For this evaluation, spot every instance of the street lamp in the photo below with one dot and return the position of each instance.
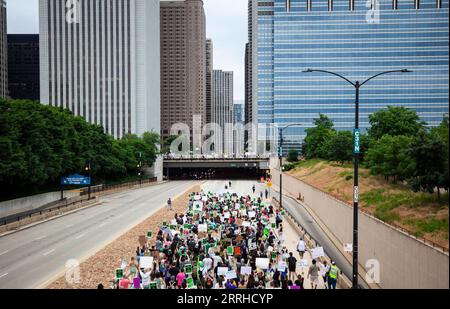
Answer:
(280, 157)
(357, 85)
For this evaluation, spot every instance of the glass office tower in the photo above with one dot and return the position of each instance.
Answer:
(346, 37)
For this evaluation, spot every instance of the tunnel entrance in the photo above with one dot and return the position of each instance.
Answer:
(214, 173)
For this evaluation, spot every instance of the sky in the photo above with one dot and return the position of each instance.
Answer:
(226, 25)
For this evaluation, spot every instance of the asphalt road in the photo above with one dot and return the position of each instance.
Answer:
(315, 231)
(31, 257)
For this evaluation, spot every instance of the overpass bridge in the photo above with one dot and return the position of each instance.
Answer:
(211, 168)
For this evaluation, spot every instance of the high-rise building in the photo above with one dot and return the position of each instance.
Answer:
(347, 38)
(3, 51)
(209, 69)
(250, 76)
(101, 60)
(239, 111)
(183, 64)
(23, 66)
(222, 110)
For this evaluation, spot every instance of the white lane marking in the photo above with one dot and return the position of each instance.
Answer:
(79, 236)
(103, 224)
(4, 252)
(69, 225)
(3, 275)
(40, 238)
(50, 252)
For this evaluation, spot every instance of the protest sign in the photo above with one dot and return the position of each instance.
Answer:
(149, 234)
(226, 215)
(251, 214)
(197, 197)
(274, 255)
(153, 285)
(230, 250)
(317, 252)
(221, 271)
(282, 266)
(119, 273)
(246, 224)
(262, 263)
(237, 251)
(230, 275)
(190, 283)
(246, 270)
(198, 207)
(204, 198)
(203, 228)
(348, 247)
(146, 262)
(188, 269)
(303, 263)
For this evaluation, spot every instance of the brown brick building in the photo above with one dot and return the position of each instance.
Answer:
(183, 63)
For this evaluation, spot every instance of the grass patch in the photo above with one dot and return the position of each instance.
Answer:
(427, 226)
(387, 216)
(308, 163)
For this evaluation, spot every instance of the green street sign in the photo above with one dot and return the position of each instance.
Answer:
(357, 139)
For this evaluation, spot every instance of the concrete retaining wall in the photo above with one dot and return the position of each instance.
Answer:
(19, 205)
(405, 262)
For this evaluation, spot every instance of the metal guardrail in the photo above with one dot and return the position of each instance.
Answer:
(57, 205)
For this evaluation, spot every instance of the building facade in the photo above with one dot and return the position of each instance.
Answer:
(101, 60)
(183, 65)
(3, 51)
(357, 41)
(23, 66)
(222, 110)
(209, 69)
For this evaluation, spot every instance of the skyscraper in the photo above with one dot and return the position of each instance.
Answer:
(3, 51)
(183, 64)
(101, 60)
(222, 110)
(346, 38)
(23, 66)
(209, 69)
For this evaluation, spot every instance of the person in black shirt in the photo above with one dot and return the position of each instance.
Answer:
(292, 265)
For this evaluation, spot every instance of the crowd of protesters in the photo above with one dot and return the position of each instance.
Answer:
(222, 241)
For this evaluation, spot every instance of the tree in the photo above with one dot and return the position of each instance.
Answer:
(339, 147)
(389, 156)
(394, 121)
(292, 155)
(316, 137)
(167, 142)
(430, 153)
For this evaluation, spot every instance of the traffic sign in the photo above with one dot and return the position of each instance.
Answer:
(357, 135)
(75, 180)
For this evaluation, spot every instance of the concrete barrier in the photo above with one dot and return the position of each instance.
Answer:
(28, 203)
(404, 261)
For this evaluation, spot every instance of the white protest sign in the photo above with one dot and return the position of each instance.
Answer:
(146, 262)
(226, 215)
(197, 197)
(237, 206)
(317, 252)
(282, 266)
(222, 271)
(204, 198)
(230, 275)
(234, 213)
(251, 214)
(303, 263)
(173, 222)
(243, 212)
(246, 270)
(203, 228)
(348, 247)
(246, 224)
(198, 206)
(262, 263)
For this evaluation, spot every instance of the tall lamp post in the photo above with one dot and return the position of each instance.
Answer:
(280, 157)
(357, 85)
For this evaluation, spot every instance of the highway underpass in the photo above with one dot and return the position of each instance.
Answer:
(220, 169)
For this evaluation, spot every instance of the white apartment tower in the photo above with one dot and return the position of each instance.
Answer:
(101, 60)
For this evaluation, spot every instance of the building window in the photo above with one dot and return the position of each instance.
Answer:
(288, 6)
(352, 5)
(394, 4)
(330, 5)
(308, 5)
(439, 4)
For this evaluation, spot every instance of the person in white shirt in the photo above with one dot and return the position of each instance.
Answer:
(324, 269)
(301, 248)
(208, 263)
(146, 279)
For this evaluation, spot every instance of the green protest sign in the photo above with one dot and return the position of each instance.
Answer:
(204, 241)
(190, 283)
(188, 269)
(164, 224)
(230, 250)
(172, 227)
(266, 232)
(149, 234)
(274, 225)
(274, 255)
(187, 226)
(119, 273)
(153, 286)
